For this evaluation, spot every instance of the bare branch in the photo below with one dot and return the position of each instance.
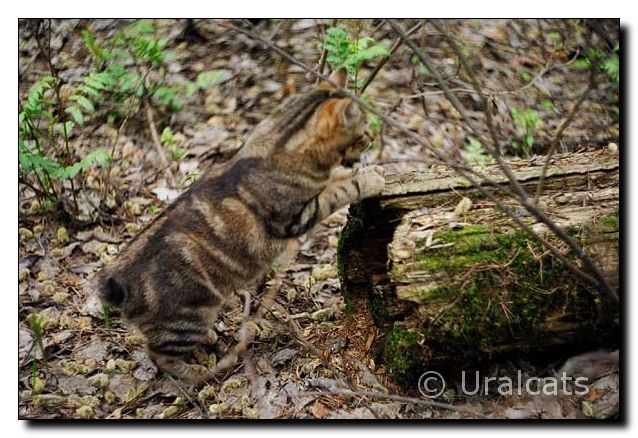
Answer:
(158, 144)
(393, 49)
(559, 133)
(394, 397)
(324, 52)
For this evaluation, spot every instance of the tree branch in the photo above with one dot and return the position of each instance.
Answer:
(559, 134)
(393, 49)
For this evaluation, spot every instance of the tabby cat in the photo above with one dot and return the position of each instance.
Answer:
(223, 234)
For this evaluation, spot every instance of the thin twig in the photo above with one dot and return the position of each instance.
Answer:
(394, 48)
(119, 132)
(475, 84)
(393, 397)
(559, 133)
(158, 144)
(441, 158)
(56, 86)
(195, 401)
(296, 329)
(324, 52)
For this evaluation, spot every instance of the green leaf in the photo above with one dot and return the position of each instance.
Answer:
(206, 79)
(529, 140)
(89, 91)
(94, 48)
(32, 160)
(76, 114)
(525, 76)
(94, 83)
(83, 102)
(68, 126)
(139, 27)
(612, 67)
(547, 105)
(374, 122)
(97, 157)
(475, 152)
(582, 63)
(93, 159)
(191, 88)
(166, 138)
(68, 172)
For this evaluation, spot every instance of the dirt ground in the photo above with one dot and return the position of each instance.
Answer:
(86, 367)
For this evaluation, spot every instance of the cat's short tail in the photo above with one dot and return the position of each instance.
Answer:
(111, 291)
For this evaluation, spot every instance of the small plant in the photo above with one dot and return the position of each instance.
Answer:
(475, 153)
(127, 71)
(527, 121)
(123, 68)
(107, 318)
(350, 53)
(43, 139)
(609, 63)
(168, 141)
(612, 66)
(35, 322)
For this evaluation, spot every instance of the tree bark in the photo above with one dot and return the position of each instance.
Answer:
(450, 279)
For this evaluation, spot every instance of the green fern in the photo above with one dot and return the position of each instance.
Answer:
(113, 87)
(345, 52)
(93, 159)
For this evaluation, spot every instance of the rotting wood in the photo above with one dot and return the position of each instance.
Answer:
(448, 278)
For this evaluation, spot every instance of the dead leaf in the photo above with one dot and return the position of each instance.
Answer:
(165, 194)
(146, 369)
(318, 410)
(96, 349)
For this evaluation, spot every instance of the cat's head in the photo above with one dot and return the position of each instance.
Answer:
(341, 121)
(322, 123)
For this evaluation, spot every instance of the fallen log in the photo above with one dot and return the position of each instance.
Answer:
(449, 279)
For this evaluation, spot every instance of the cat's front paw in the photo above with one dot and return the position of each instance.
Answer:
(371, 181)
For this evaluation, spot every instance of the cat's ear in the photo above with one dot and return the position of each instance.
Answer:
(351, 114)
(338, 113)
(340, 76)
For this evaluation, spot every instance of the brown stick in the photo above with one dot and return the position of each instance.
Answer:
(394, 397)
(559, 134)
(158, 144)
(393, 49)
(56, 87)
(324, 52)
(117, 136)
(297, 332)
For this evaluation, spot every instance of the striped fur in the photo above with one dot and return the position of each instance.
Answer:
(224, 233)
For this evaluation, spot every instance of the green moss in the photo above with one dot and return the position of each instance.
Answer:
(377, 308)
(495, 289)
(403, 355)
(610, 223)
(474, 245)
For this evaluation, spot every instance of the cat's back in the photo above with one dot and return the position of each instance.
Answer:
(209, 232)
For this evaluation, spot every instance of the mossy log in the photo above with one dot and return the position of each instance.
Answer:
(449, 279)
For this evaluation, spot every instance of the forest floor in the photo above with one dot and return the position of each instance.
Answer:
(82, 366)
